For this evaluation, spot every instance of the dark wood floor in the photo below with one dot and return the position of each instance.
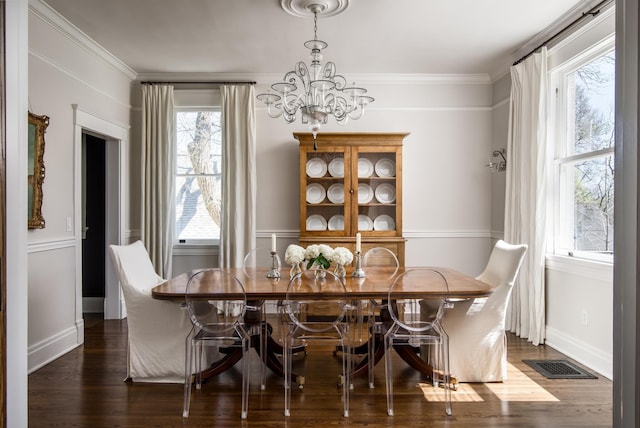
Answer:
(85, 388)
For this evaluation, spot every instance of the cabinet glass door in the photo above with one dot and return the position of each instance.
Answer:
(377, 193)
(325, 192)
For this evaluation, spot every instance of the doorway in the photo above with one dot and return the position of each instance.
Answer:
(94, 227)
(110, 142)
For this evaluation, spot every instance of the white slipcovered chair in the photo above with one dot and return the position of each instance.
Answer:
(476, 327)
(157, 329)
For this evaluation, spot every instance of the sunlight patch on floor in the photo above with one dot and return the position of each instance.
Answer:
(464, 394)
(517, 387)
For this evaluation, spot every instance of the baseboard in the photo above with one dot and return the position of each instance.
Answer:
(585, 354)
(46, 351)
(93, 305)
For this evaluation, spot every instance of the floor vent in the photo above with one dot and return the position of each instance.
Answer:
(559, 369)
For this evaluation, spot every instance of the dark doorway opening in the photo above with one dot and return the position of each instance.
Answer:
(93, 224)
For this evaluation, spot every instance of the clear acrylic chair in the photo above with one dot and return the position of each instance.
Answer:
(216, 322)
(410, 328)
(259, 257)
(317, 309)
(373, 258)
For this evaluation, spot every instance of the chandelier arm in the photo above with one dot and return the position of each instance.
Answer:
(301, 73)
(356, 113)
(329, 102)
(346, 106)
(340, 109)
(273, 114)
(341, 82)
(291, 107)
(289, 117)
(329, 71)
(290, 100)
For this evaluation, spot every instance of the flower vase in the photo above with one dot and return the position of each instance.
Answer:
(321, 272)
(340, 271)
(295, 270)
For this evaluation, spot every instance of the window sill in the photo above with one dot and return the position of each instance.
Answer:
(582, 267)
(196, 250)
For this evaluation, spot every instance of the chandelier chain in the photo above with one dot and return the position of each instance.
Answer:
(315, 25)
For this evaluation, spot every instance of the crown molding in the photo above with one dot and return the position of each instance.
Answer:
(381, 79)
(48, 15)
(42, 57)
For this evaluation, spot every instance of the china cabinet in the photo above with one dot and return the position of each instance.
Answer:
(352, 184)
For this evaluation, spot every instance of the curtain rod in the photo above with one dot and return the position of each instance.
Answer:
(198, 82)
(591, 12)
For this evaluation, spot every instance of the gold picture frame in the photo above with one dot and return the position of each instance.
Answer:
(37, 127)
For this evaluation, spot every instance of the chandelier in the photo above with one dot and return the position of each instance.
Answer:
(316, 91)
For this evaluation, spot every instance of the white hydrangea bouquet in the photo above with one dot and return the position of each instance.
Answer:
(294, 256)
(319, 255)
(341, 257)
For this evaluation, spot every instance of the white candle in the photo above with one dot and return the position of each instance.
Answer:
(273, 242)
(358, 242)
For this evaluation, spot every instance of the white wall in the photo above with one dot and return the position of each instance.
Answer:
(500, 129)
(580, 311)
(63, 71)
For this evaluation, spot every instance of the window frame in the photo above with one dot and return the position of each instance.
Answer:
(186, 244)
(561, 140)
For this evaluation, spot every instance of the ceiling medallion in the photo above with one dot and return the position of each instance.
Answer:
(304, 8)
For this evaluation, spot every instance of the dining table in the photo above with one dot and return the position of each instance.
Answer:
(374, 285)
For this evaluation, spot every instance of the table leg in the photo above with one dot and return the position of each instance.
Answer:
(272, 350)
(410, 355)
(225, 363)
(363, 366)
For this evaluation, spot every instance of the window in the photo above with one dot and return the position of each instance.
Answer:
(584, 157)
(198, 176)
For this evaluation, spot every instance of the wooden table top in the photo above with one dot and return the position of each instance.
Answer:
(375, 285)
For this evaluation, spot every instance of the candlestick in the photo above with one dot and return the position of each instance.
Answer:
(273, 242)
(358, 272)
(358, 242)
(274, 272)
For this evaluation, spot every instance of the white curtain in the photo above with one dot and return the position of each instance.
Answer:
(157, 175)
(526, 193)
(238, 229)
